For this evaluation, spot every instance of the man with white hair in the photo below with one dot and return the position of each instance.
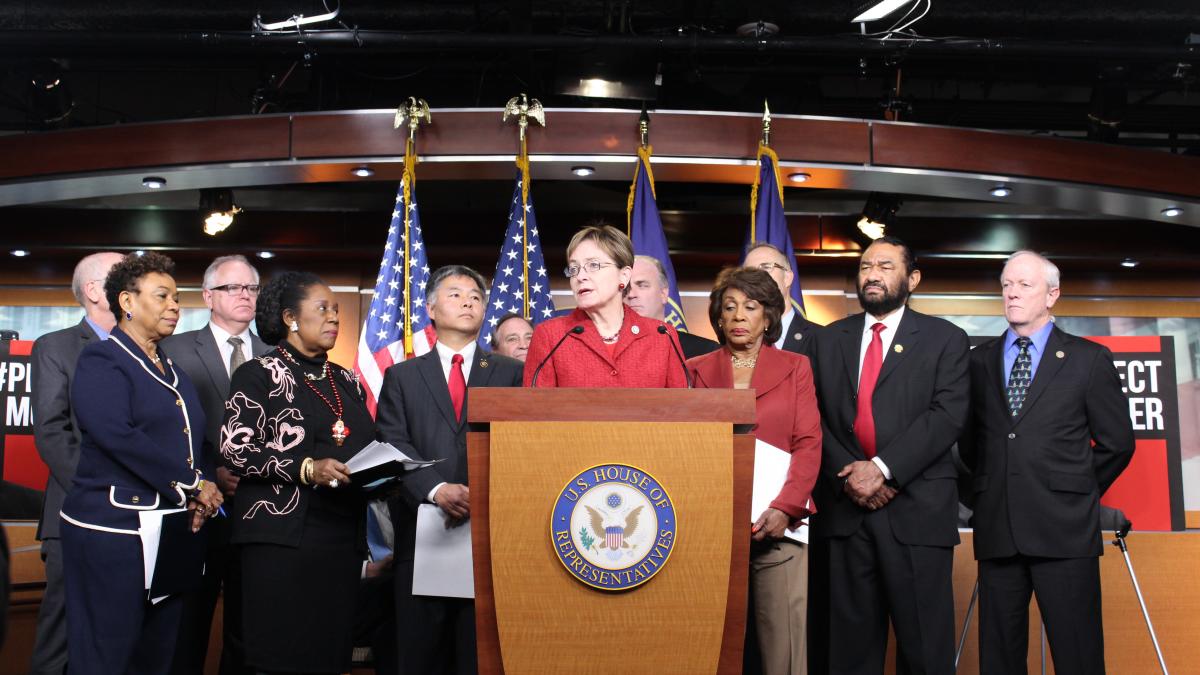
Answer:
(797, 330)
(56, 435)
(649, 291)
(1050, 432)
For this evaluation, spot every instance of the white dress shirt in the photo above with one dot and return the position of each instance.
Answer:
(222, 337)
(785, 322)
(446, 356)
(890, 323)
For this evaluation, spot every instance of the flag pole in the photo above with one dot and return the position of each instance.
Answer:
(764, 147)
(523, 109)
(645, 150)
(417, 111)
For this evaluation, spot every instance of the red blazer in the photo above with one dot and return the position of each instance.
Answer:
(786, 412)
(642, 358)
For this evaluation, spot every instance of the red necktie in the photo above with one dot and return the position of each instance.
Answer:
(864, 422)
(458, 385)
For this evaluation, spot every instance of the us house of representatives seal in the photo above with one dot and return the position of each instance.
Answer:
(613, 526)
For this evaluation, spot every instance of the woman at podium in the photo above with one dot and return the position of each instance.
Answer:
(602, 343)
(292, 420)
(745, 308)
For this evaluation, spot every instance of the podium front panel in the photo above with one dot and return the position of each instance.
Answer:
(549, 621)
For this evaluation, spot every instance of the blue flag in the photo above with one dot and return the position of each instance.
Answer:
(646, 232)
(767, 220)
(520, 285)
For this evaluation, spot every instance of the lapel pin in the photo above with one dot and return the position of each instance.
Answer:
(1060, 353)
(483, 363)
(635, 330)
(798, 336)
(899, 349)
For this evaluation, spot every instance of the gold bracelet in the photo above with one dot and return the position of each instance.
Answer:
(306, 470)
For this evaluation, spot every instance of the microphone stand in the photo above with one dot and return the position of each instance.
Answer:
(1119, 542)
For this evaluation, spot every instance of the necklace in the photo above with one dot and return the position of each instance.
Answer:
(339, 430)
(743, 363)
(609, 339)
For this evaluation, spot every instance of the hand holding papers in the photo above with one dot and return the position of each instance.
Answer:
(442, 556)
(379, 462)
(770, 471)
(172, 553)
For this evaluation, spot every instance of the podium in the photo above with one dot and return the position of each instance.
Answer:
(550, 468)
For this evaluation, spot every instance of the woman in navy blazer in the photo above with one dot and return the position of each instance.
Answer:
(745, 310)
(603, 343)
(138, 451)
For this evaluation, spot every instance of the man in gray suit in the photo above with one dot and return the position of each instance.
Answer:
(56, 435)
(209, 356)
(419, 415)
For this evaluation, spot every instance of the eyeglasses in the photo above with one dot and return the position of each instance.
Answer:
(236, 289)
(768, 267)
(592, 266)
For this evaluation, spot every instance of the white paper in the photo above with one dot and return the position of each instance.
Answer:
(376, 453)
(770, 471)
(150, 532)
(442, 559)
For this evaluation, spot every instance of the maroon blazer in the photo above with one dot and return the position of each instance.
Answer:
(786, 412)
(643, 357)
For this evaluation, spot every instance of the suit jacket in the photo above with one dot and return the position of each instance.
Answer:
(415, 415)
(785, 416)
(920, 408)
(642, 357)
(138, 449)
(694, 345)
(197, 354)
(55, 429)
(1038, 477)
(799, 337)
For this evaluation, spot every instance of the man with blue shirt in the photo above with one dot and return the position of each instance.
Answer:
(1050, 432)
(56, 436)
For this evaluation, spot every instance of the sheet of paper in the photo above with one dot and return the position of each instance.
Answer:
(442, 559)
(770, 471)
(376, 453)
(150, 531)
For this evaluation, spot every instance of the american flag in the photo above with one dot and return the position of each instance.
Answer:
(398, 300)
(521, 271)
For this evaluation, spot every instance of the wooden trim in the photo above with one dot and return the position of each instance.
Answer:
(487, 637)
(733, 642)
(497, 404)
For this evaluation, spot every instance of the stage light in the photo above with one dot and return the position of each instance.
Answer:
(363, 171)
(877, 9)
(154, 182)
(583, 171)
(1001, 191)
(878, 214)
(1171, 211)
(799, 177)
(218, 209)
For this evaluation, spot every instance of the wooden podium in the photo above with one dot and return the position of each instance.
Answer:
(532, 615)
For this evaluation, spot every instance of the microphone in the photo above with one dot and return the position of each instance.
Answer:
(577, 330)
(662, 330)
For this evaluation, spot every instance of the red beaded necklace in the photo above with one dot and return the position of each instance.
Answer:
(339, 430)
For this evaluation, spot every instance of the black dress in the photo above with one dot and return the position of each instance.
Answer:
(302, 548)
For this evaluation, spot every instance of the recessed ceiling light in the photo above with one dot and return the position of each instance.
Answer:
(1171, 211)
(19, 252)
(799, 177)
(265, 255)
(1001, 191)
(139, 253)
(154, 182)
(583, 171)
(1129, 262)
(363, 171)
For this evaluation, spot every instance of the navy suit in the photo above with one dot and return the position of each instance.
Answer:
(136, 454)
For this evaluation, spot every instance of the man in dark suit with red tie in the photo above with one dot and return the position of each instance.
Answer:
(1050, 433)
(423, 412)
(893, 392)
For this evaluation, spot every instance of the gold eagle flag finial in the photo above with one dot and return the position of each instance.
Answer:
(524, 108)
(766, 123)
(644, 127)
(416, 111)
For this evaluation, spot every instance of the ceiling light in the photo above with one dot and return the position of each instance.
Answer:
(363, 171)
(154, 182)
(218, 209)
(877, 9)
(799, 177)
(583, 171)
(1001, 191)
(265, 255)
(1171, 211)
(1129, 262)
(139, 253)
(878, 214)
(19, 252)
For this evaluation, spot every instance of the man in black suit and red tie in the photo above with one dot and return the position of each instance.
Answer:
(893, 392)
(423, 412)
(1050, 433)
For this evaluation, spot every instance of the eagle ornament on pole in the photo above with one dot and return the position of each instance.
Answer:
(524, 109)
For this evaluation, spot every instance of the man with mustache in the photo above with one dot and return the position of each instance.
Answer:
(893, 390)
